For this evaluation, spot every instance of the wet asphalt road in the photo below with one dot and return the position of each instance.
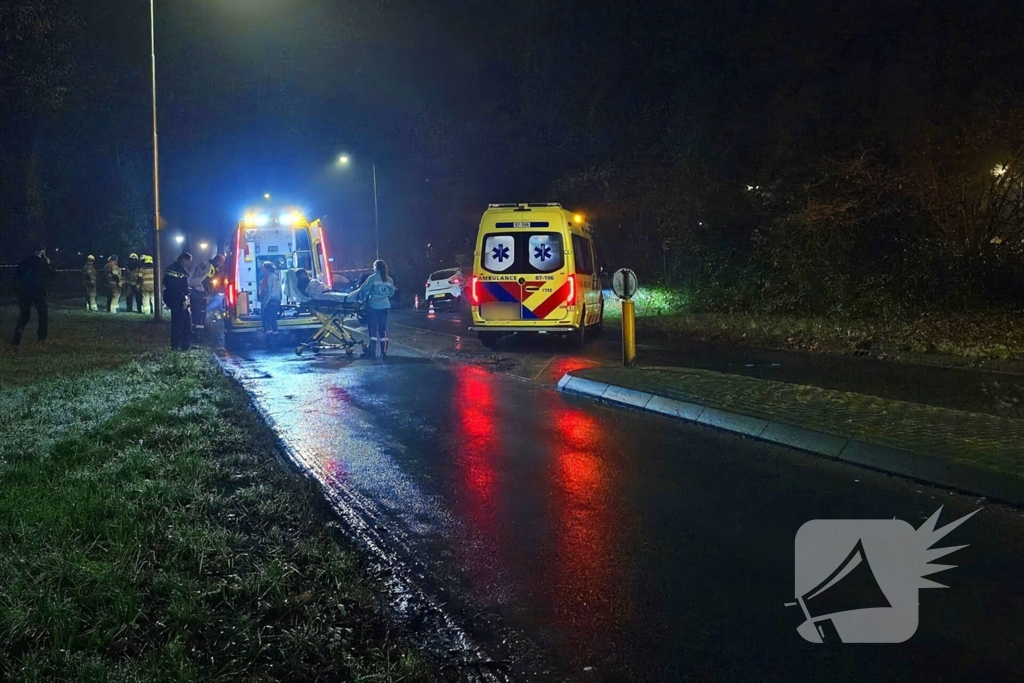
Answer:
(575, 540)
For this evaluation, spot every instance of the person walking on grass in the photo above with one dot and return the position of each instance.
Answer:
(31, 277)
(113, 275)
(176, 295)
(377, 292)
(270, 300)
(89, 281)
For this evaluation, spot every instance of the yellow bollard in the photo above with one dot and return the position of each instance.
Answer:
(628, 332)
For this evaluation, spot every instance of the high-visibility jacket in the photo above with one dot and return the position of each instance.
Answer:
(113, 274)
(147, 278)
(89, 277)
(200, 277)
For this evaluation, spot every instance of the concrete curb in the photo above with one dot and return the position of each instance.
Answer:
(958, 476)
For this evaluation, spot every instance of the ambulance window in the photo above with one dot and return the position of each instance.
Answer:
(499, 253)
(303, 251)
(320, 255)
(546, 252)
(583, 256)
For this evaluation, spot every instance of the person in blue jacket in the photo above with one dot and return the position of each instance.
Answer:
(377, 292)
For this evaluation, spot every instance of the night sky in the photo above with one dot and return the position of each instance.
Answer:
(460, 102)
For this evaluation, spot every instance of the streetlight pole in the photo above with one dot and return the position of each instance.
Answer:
(376, 219)
(158, 267)
(343, 161)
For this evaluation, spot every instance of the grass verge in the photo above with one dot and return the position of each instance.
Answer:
(992, 335)
(147, 532)
(985, 440)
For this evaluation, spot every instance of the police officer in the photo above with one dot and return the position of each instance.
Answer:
(89, 281)
(147, 284)
(128, 285)
(31, 277)
(176, 298)
(201, 282)
(113, 275)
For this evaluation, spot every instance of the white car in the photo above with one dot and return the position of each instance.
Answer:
(445, 287)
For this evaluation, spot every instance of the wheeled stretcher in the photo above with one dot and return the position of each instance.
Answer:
(332, 335)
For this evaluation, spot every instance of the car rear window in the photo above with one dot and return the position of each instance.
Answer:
(536, 252)
(443, 274)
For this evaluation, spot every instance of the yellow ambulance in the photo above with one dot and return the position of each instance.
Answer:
(535, 270)
(289, 241)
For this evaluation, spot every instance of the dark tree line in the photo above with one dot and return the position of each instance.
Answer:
(75, 168)
(778, 156)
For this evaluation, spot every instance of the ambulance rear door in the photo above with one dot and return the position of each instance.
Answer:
(524, 272)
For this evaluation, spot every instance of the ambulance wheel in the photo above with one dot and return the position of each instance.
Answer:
(488, 339)
(597, 328)
(579, 335)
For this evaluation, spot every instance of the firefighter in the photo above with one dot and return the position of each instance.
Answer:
(201, 283)
(136, 275)
(31, 277)
(89, 281)
(176, 297)
(113, 276)
(147, 284)
(129, 288)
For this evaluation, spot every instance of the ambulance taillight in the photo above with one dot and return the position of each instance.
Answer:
(474, 295)
(328, 278)
(571, 299)
(237, 256)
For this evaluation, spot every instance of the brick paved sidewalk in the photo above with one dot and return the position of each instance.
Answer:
(995, 443)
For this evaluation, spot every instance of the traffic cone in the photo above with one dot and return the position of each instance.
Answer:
(430, 311)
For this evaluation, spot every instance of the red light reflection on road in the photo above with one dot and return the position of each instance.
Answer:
(588, 590)
(339, 394)
(335, 469)
(561, 365)
(475, 421)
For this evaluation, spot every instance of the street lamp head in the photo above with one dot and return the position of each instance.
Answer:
(266, 195)
(999, 170)
(204, 245)
(343, 159)
(179, 239)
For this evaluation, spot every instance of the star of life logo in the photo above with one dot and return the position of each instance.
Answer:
(857, 580)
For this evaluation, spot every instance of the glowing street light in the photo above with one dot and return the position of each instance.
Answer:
(179, 238)
(999, 170)
(204, 246)
(343, 161)
(266, 195)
